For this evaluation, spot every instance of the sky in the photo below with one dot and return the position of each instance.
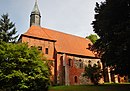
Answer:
(69, 16)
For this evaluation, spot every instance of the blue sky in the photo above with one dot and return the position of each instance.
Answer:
(69, 16)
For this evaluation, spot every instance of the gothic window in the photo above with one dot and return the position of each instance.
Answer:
(46, 51)
(80, 64)
(70, 62)
(89, 63)
(75, 79)
(98, 63)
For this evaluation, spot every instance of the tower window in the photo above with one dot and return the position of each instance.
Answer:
(46, 51)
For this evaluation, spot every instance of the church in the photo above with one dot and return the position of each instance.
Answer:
(68, 54)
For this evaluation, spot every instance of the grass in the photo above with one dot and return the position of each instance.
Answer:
(105, 87)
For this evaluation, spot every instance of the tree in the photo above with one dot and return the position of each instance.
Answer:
(21, 68)
(94, 73)
(92, 37)
(7, 29)
(112, 25)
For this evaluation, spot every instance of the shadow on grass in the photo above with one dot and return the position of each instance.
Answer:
(104, 87)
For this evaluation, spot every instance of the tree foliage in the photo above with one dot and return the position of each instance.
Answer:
(94, 73)
(21, 68)
(92, 37)
(7, 29)
(112, 25)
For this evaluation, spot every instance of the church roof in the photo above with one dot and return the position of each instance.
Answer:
(65, 43)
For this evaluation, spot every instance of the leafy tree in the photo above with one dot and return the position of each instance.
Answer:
(112, 25)
(94, 73)
(21, 68)
(7, 29)
(92, 37)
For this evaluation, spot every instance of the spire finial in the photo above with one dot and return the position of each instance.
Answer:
(35, 8)
(35, 1)
(35, 16)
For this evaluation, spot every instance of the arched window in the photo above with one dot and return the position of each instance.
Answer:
(75, 79)
(89, 63)
(98, 63)
(46, 50)
(80, 64)
(70, 62)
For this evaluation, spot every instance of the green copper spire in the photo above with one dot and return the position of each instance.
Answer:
(35, 17)
(35, 9)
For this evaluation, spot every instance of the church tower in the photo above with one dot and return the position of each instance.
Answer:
(35, 17)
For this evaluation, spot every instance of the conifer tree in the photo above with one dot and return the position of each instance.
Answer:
(7, 29)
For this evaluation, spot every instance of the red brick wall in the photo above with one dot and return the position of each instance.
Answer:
(44, 44)
(58, 68)
(72, 70)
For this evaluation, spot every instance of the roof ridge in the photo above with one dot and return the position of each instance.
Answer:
(65, 42)
(64, 33)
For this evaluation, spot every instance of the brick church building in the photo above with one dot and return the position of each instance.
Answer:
(68, 53)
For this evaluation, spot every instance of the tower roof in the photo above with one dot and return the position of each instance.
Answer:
(35, 9)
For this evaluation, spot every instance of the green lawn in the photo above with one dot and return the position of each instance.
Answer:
(105, 87)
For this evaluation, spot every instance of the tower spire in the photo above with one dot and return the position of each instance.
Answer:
(35, 15)
(35, 8)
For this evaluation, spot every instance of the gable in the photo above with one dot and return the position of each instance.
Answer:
(65, 43)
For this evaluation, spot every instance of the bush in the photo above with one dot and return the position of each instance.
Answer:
(94, 73)
(21, 68)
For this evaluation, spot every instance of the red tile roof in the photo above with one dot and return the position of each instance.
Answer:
(37, 32)
(65, 43)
